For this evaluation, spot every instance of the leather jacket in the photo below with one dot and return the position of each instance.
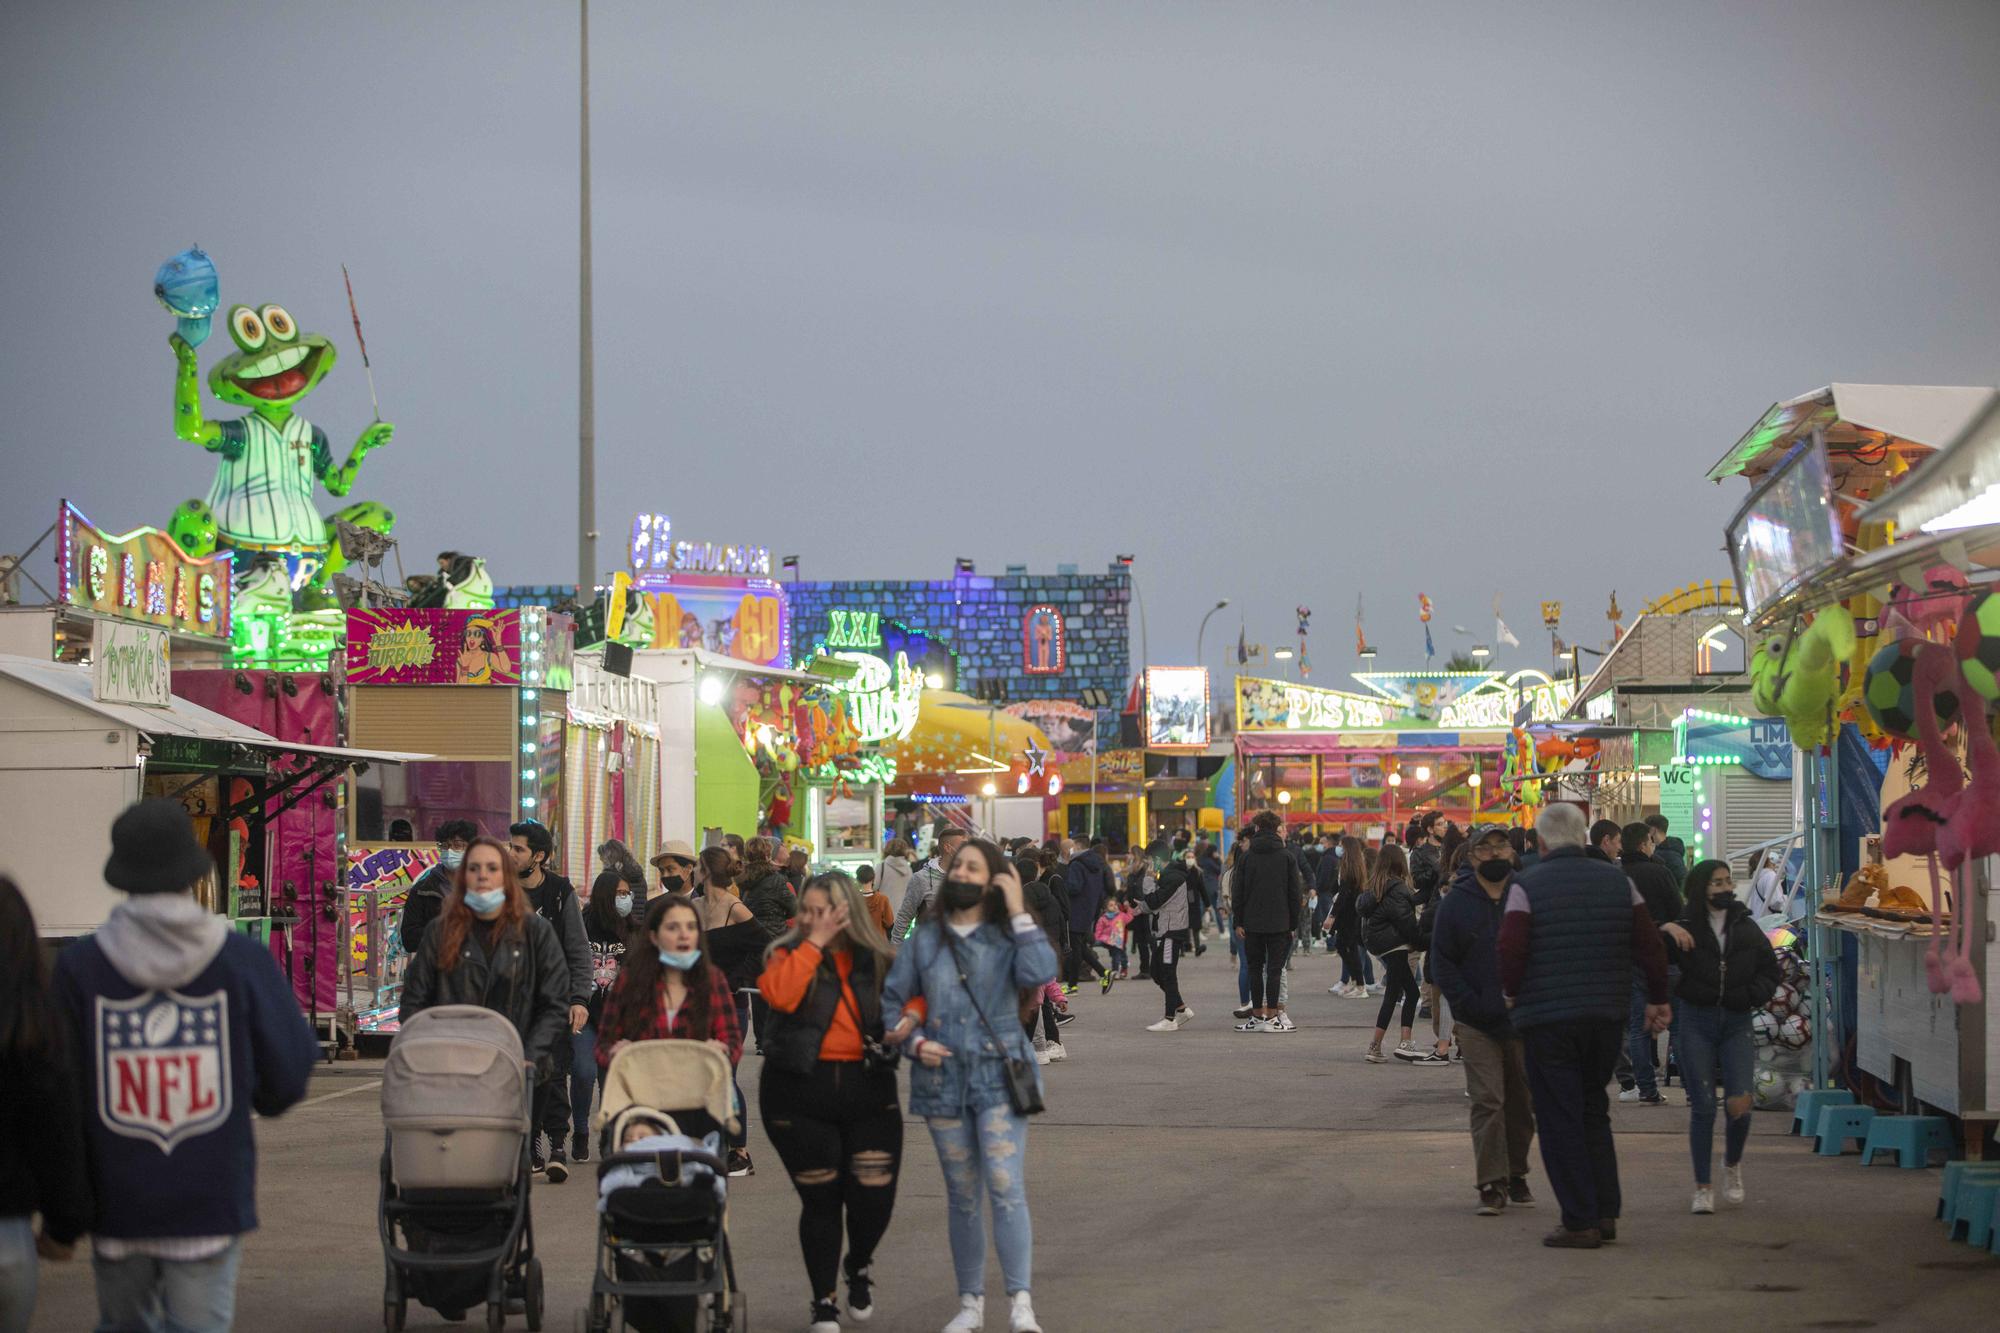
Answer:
(526, 979)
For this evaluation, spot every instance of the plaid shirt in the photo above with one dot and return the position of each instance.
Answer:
(628, 1016)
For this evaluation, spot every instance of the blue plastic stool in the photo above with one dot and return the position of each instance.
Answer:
(1976, 1213)
(1957, 1175)
(1910, 1137)
(1811, 1101)
(1838, 1124)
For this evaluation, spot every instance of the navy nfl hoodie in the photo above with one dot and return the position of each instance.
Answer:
(183, 1027)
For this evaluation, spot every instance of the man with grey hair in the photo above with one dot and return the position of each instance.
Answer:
(1573, 931)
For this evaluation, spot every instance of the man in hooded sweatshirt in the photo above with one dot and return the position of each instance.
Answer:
(183, 1027)
(1089, 884)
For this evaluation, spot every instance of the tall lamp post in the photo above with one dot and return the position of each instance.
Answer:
(586, 388)
(1198, 634)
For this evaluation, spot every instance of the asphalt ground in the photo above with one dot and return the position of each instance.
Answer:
(1209, 1179)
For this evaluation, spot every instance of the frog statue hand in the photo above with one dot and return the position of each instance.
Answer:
(261, 502)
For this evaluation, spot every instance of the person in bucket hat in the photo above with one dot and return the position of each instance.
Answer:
(183, 1027)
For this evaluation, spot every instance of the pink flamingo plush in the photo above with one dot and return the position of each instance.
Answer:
(1910, 826)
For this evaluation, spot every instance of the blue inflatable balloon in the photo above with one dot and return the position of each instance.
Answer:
(187, 286)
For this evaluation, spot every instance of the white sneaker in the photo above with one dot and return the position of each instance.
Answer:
(1704, 1200)
(1021, 1314)
(1732, 1184)
(1251, 1025)
(1341, 991)
(1056, 1052)
(1407, 1050)
(1041, 1055)
(1164, 1025)
(971, 1316)
(1280, 1022)
(1183, 1016)
(1358, 991)
(1376, 989)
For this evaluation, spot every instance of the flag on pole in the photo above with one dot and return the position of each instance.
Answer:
(1501, 634)
(1360, 638)
(1430, 649)
(1242, 647)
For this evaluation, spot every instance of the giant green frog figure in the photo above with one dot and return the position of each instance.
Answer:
(262, 501)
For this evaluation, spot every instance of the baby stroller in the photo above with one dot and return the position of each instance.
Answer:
(456, 1232)
(663, 1260)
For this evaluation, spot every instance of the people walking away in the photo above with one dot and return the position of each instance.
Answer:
(166, 990)
(893, 881)
(1464, 961)
(948, 1001)
(1055, 875)
(42, 1165)
(426, 896)
(1089, 885)
(1267, 900)
(1389, 931)
(1661, 891)
(670, 988)
(828, 1096)
(609, 920)
(1168, 901)
(554, 899)
(1210, 864)
(768, 894)
(1572, 931)
(1357, 965)
(797, 867)
(1728, 971)
(923, 883)
(735, 940)
(879, 910)
(1669, 851)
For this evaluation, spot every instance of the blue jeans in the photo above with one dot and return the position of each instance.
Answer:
(17, 1274)
(1242, 970)
(1715, 1040)
(1639, 1042)
(582, 1077)
(1365, 974)
(989, 1157)
(142, 1295)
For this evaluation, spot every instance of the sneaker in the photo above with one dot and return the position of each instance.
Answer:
(1407, 1050)
(1041, 1055)
(1280, 1022)
(1056, 1053)
(1184, 1015)
(579, 1145)
(1069, 988)
(1607, 1229)
(1562, 1238)
(1457, 1056)
(971, 1315)
(1704, 1201)
(1432, 1058)
(1376, 989)
(1492, 1201)
(1342, 991)
(1520, 1195)
(538, 1159)
(739, 1164)
(557, 1170)
(1104, 984)
(825, 1318)
(1357, 991)
(1021, 1314)
(1064, 1018)
(1251, 1025)
(860, 1294)
(1242, 1011)
(1633, 1095)
(1164, 1025)
(1732, 1184)
(1375, 1056)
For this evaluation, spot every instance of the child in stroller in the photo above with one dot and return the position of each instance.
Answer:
(663, 1241)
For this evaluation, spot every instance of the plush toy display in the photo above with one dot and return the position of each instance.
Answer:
(1890, 691)
(1910, 825)
(1797, 676)
(1978, 644)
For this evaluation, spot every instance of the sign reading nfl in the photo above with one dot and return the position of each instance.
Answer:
(162, 1060)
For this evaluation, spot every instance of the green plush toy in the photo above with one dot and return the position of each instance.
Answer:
(1796, 676)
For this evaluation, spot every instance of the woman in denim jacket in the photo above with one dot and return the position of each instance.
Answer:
(979, 918)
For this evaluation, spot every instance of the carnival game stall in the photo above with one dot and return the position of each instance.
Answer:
(1867, 553)
(998, 763)
(611, 761)
(483, 694)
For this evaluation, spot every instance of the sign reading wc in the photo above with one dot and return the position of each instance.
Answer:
(129, 665)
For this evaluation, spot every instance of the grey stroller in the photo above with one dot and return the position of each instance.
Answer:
(456, 1231)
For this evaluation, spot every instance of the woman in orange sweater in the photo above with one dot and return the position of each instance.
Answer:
(828, 1098)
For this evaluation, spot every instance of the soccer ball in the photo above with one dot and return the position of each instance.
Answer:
(1890, 687)
(1764, 1027)
(1979, 645)
(1783, 1001)
(1770, 1086)
(1793, 1034)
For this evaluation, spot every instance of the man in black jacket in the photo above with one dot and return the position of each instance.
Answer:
(1656, 884)
(1267, 901)
(426, 897)
(554, 898)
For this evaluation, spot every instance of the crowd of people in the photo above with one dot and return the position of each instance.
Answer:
(1546, 963)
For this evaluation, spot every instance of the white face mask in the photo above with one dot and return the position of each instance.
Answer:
(623, 902)
(451, 857)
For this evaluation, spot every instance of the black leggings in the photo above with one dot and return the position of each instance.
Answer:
(839, 1131)
(1397, 980)
(1167, 969)
(1266, 951)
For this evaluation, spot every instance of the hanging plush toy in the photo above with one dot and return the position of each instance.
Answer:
(1797, 676)
(1910, 825)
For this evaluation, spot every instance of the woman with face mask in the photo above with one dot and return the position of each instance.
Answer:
(668, 987)
(490, 947)
(1728, 973)
(953, 998)
(617, 905)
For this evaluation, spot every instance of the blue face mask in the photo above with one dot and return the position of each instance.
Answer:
(680, 962)
(482, 903)
(451, 858)
(623, 902)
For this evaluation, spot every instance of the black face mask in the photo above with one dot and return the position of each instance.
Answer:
(955, 895)
(671, 883)
(1494, 872)
(1720, 901)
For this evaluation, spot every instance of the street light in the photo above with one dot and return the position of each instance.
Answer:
(1423, 773)
(1284, 798)
(1395, 779)
(1480, 652)
(1204, 628)
(988, 789)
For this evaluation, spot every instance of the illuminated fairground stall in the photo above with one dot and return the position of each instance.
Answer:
(1362, 761)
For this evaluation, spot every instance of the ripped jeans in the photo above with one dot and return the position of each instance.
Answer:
(839, 1133)
(986, 1155)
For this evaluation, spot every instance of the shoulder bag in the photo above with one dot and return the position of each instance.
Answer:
(1024, 1093)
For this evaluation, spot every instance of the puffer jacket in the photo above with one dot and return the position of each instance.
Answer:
(1171, 900)
(1742, 978)
(999, 963)
(771, 900)
(527, 980)
(1267, 890)
(1389, 919)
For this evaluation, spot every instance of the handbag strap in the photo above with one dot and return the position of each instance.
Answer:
(959, 963)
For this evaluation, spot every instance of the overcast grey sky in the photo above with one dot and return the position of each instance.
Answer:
(1291, 301)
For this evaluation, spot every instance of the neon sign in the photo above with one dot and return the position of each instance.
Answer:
(882, 699)
(1044, 650)
(143, 576)
(654, 551)
(853, 629)
(1496, 706)
(1275, 705)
